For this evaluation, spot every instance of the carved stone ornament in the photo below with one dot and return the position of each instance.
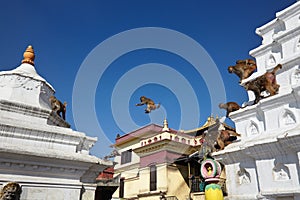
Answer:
(287, 118)
(252, 129)
(281, 172)
(243, 176)
(295, 77)
(271, 60)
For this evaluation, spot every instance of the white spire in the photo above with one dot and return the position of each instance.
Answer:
(166, 127)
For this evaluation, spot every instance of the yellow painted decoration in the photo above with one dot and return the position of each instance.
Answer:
(213, 192)
(209, 171)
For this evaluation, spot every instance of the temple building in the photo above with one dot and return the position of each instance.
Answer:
(38, 149)
(159, 162)
(264, 164)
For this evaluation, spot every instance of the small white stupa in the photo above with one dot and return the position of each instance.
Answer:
(37, 148)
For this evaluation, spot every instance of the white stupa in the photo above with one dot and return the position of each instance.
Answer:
(265, 163)
(37, 148)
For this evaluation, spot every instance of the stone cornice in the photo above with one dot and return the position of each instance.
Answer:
(41, 153)
(278, 39)
(23, 109)
(260, 50)
(264, 104)
(282, 37)
(283, 192)
(38, 135)
(266, 28)
(69, 167)
(289, 12)
(42, 169)
(281, 144)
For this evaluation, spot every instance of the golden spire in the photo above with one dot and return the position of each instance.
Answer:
(29, 56)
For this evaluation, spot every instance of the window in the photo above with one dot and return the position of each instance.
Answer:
(121, 189)
(126, 156)
(153, 175)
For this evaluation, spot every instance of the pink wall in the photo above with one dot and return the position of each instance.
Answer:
(159, 157)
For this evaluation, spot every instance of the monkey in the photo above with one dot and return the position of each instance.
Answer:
(149, 102)
(112, 154)
(225, 137)
(11, 191)
(58, 107)
(229, 107)
(243, 68)
(265, 82)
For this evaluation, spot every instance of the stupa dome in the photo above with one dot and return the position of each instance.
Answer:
(24, 85)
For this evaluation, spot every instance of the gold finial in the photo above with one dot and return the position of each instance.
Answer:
(28, 55)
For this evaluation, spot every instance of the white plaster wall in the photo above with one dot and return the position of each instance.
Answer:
(267, 181)
(135, 159)
(46, 193)
(162, 177)
(25, 90)
(89, 193)
(274, 148)
(271, 118)
(144, 180)
(238, 187)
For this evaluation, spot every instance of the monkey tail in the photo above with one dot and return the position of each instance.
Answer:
(279, 66)
(65, 107)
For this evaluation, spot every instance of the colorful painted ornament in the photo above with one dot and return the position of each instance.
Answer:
(211, 171)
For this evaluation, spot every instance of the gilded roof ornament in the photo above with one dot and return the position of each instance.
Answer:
(29, 56)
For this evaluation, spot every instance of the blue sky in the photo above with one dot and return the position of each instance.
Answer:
(69, 38)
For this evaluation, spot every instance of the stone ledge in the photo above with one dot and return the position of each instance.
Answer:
(15, 107)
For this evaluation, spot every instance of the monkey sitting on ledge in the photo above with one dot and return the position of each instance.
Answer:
(149, 102)
(229, 107)
(225, 138)
(243, 68)
(58, 107)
